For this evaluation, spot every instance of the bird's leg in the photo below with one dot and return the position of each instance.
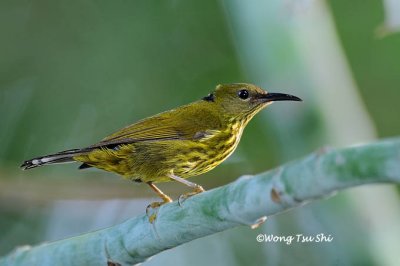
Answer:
(161, 194)
(196, 188)
(156, 205)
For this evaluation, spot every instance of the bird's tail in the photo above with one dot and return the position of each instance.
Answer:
(60, 157)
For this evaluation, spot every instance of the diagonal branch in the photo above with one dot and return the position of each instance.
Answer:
(243, 202)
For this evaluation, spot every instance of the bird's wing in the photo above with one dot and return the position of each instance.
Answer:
(178, 124)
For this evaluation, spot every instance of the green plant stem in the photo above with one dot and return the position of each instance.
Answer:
(243, 202)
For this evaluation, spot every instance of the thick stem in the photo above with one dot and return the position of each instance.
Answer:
(243, 202)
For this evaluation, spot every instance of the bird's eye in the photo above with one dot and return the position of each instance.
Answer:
(243, 94)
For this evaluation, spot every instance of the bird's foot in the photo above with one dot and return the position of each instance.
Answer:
(198, 189)
(152, 209)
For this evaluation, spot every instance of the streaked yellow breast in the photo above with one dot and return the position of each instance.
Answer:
(206, 155)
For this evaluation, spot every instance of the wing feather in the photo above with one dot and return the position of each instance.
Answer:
(183, 123)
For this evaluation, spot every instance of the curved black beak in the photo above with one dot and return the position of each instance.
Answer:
(273, 97)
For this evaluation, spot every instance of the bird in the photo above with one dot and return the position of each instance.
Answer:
(177, 144)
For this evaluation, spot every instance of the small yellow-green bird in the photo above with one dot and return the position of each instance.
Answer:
(174, 145)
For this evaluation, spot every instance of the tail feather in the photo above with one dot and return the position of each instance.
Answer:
(56, 158)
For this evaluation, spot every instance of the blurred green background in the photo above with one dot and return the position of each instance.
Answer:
(72, 72)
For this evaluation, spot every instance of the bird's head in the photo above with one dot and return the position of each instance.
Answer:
(241, 101)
